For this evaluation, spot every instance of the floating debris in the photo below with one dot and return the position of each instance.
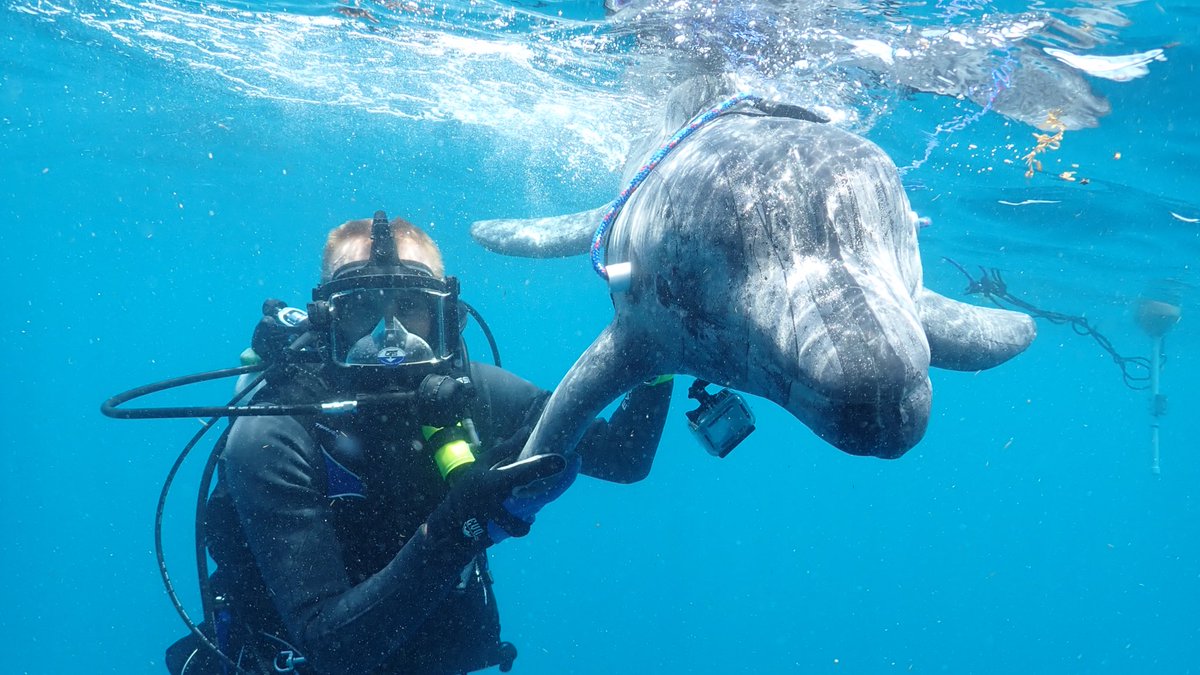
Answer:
(1120, 68)
(1029, 202)
(1045, 143)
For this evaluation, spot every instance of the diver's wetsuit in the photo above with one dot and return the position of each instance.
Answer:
(355, 584)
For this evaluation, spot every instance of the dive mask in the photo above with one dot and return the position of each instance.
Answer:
(389, 325)
(387, 313)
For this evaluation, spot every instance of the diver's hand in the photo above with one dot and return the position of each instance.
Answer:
(279, 326)
(474, 511)
(507, 450)
(529, 499)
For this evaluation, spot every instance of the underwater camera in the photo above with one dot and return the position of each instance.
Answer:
(721, 421)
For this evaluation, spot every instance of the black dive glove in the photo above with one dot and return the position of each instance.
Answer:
(475, 513)
(278, 328)
(506, 451)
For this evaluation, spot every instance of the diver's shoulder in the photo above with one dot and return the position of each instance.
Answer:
(485, 371)
(259, 438)
(492, 376)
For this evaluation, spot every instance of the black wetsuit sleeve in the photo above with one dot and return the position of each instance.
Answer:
(274, 472)
(622, 449)
(619, 450)
(505, 403)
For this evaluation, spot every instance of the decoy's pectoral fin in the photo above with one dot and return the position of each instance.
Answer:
(968, 337)
(608, 369)
(554, 237)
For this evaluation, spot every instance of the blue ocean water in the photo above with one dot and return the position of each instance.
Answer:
(168, 165)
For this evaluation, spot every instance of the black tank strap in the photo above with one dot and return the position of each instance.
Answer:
(778, 109)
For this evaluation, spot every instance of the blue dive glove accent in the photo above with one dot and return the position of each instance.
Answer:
(525, 506)
(476, 499)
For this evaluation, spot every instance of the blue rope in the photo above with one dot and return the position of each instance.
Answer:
(615, 207)
(1001, 81)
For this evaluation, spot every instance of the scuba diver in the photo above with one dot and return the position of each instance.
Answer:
(362, 483)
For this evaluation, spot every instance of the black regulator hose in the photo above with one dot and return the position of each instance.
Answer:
(487, 332)
(111, 407)
(205, 591)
